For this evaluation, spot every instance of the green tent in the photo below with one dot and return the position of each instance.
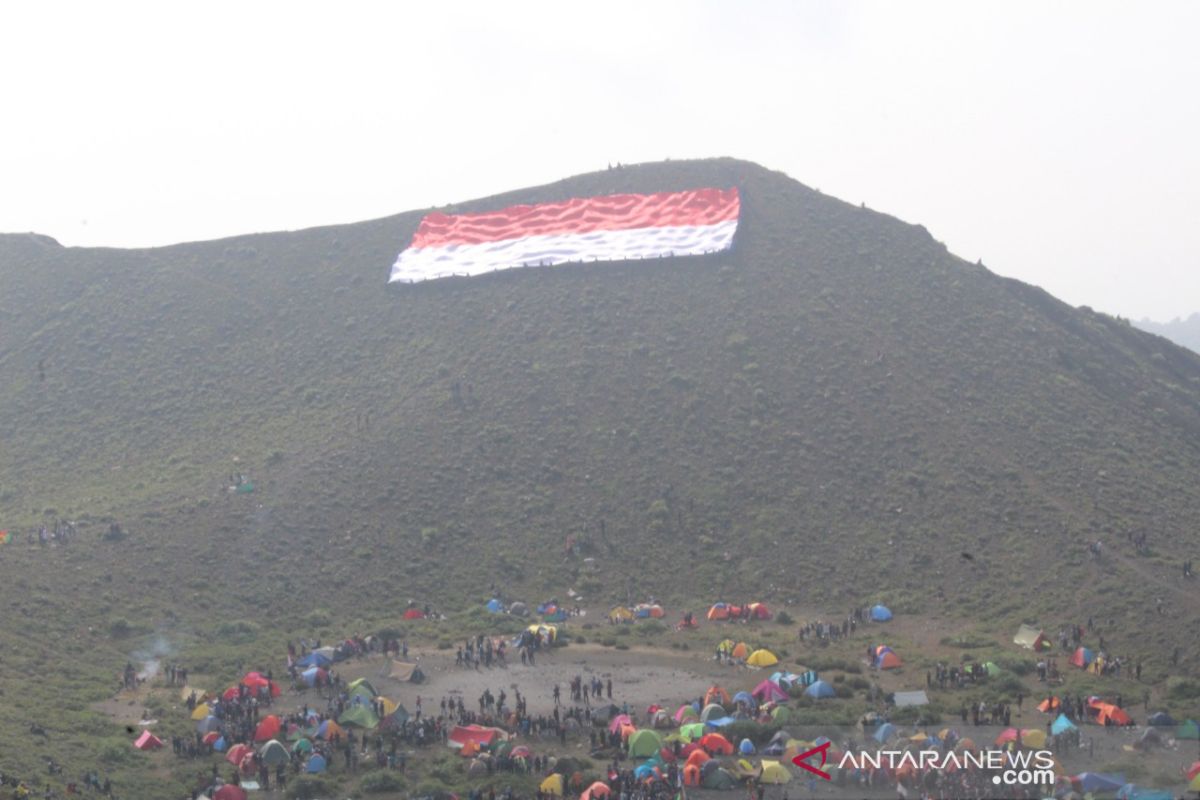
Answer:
(644, 743)
(720, 779)
(781, 714)
(1188, 730)
(302, 746)
(992, 669)
(692, 731)
(359, 715)
(274, 753)
(362, 683)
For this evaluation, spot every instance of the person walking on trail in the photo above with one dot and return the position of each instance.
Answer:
(557, 694)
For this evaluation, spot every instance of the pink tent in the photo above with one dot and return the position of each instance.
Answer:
(768, 691)
(148, 741)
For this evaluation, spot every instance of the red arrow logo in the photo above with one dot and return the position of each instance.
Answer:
(800, 760)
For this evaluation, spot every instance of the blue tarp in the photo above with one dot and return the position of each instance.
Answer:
(721, 722)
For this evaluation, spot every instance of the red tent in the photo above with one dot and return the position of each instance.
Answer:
(759, 611)
(414, 613)
(267, 729)
(481, 736)
(148, 741)
(1107, 712)
(229, 792)
(256, 680)
(237, 753)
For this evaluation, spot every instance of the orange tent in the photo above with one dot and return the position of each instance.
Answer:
(1049, 704)
(716, 743)
(1107, 713)
(719, 611)
(740, 650)
(697, 758)
(691, 775)
(716, 694)
(414, 613)
(890, 660)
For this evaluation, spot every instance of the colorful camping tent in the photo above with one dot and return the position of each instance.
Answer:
(1161, 719)
(148, 741)
(484, 737)
(229, 792)
(200, 711)
(819, 690)
(495, 606)
(762, 658)
(274, 753)
(719, 611)
(644, 743)
(712, 711)
(716, 694)
(719, 779)
(267, 729)
(315, 764)
(595, 791)
(888, 660)
(238, 753)
(740, 650)
(1188, 730)
(414, 613)
(1097, 782)
(1061, 725)
(774, 772)
(359, 715)
(553, 784)
(315, 659)
(759, 611)
(716, 743)
(620, 614)
(1109, 714)
(881, 613)
(1031, 638)
(766, 691)
(405, 672)
(1081, 658)
(362, 683)
(1049, 705)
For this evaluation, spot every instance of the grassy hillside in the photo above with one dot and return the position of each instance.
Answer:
(836, 411)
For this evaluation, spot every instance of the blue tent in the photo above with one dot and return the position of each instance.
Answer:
(746, 698)
(495, 606)
(208, 724)
(819, 690)
(1099, 782)
(808, 678)
(557, 616)
(1161, 720)
(1131, 792)
(310, 675)
(314, 660)
(746, 748)
(881, 613)
(643, 771)
(1062, 725)
(884, 732)
(721, 722)
(219, 745)
(316, 764)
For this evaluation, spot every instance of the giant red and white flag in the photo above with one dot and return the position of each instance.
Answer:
(616, 227)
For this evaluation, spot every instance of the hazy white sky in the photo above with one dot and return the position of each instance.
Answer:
(1059, 142)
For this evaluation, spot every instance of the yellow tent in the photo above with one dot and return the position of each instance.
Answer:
(201, 711)
(1194, 786)
(1033, 737)
(740, 650)
(762, 658)
(553, 784)
(919, 737)
(388, 705)
(774, 772)
(620, 613)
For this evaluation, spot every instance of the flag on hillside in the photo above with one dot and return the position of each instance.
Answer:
(617, 227)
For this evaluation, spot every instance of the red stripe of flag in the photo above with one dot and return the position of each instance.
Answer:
(579, 216)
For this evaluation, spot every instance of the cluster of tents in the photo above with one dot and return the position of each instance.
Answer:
(726, 611)
(740, 651)
(640, 611)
